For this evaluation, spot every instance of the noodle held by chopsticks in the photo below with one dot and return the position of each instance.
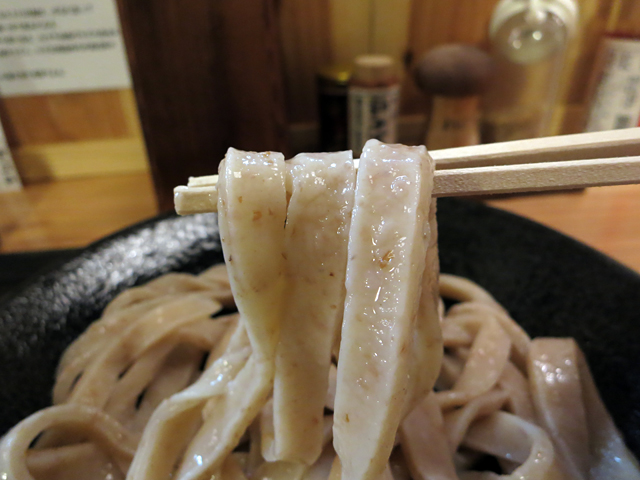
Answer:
(387, 251)
(316, 237)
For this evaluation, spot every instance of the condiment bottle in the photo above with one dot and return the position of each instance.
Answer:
(455, 76)
(529, 40)
(333, 88)
(615, 84)
(374, 93)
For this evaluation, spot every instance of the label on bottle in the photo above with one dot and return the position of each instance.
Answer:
(615, 102)
(373, 113)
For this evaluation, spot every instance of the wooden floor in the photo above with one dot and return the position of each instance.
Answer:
(74, 213)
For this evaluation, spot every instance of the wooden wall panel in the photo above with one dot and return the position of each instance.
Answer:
(350, 29)
(206, 77)
(305, 36)
(572, 93)
(390, 28)
(625, 18)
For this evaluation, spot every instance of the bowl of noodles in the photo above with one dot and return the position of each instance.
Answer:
(550, 284)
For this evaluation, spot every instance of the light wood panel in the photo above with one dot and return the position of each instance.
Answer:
(605, 218)
(64, 160)
(45, 119)
(73, 213)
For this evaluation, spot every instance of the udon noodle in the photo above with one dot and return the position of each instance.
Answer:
(341, 361)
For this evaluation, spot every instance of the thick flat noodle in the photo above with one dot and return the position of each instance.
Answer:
(316, 237)
(464, 290)
(427, 346)
(226, 423)
(520, 341)
(322, 468)
(557, 397)
(610, 457)
(571, 411)
(145, 333)
(488, 356)
(337, 472)
(457, 422)
(103, 374)
(387, 249)
(123, 396)
(450, 370)
(84, 421)
(176, 374)
(100, 333)
(425, 444)
(74, 462)
(177, 419)
(251, 215)
(281, 470)
(231, 470)
(129, 306)
(454, 335)
(516, 385)
(218, 278)
(506, 436)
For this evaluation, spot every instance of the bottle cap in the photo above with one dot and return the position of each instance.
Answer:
(565, 10)
(336, 74)
(374, 70)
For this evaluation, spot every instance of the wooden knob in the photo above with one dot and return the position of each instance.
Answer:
(455, 76)
(454, 71)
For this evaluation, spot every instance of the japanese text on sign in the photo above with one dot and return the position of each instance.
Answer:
(56, 46)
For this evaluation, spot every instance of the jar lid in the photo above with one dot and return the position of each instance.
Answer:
(565, 10)
(338, 74)
(374, 70)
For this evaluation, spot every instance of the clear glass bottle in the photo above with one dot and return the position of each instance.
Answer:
(529, 39)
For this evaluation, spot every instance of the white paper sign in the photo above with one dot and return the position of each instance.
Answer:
(57, 46)
(9, 178)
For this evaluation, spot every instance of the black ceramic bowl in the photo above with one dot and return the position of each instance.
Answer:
(552, 285)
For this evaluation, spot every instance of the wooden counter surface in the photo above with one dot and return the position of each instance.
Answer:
(73, 213)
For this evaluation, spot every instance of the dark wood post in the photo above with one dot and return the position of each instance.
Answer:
(207, 75)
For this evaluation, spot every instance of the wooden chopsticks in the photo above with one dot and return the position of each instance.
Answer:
(551, 163)
(580, 146)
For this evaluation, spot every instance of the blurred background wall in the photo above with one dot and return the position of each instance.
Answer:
(93, 133)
